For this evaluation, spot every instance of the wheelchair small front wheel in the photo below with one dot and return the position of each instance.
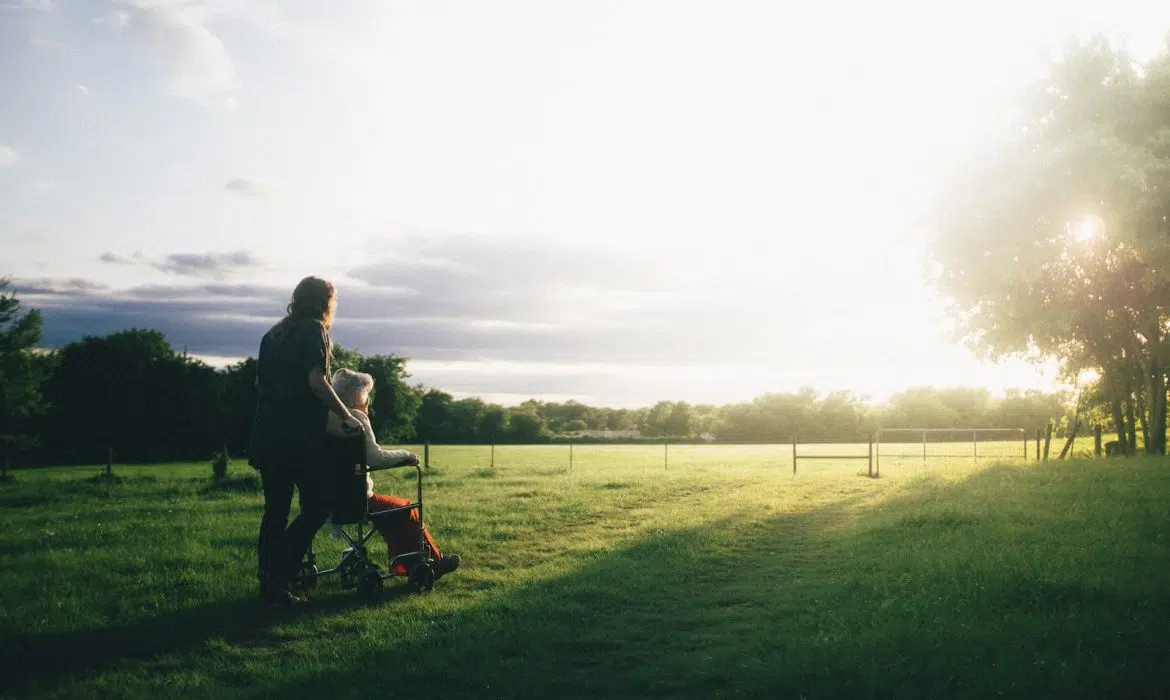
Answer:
(422, 577)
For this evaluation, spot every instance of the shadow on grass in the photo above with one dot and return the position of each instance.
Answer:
(950, 590)
(249, 483)
(36, 662)
(933, 594)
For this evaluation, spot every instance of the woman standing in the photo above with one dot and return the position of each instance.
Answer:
(294, 400)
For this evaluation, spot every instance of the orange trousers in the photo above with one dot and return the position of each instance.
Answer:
(400, 530)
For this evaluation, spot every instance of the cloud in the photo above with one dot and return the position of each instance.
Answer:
(83, 90)
(511, 299)
(32, 5)
(208, 264)
(254, 188)
(8, 156)
(116, 259)
(672, 316)
(201, 70)
(57, 287)
(213, 265)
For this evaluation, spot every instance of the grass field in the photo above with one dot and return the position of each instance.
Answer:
(719, 575)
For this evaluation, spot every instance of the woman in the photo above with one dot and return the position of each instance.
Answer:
(400, 530)
(294, 398)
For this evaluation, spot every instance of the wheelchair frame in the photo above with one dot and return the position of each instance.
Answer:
(356, 569)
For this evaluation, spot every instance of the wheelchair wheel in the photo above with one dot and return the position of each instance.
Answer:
(422, 577)
(306, 578)
(370, 583)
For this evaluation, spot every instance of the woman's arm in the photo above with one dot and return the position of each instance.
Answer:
(323, 390)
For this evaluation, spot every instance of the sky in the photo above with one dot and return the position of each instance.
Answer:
(616, 202)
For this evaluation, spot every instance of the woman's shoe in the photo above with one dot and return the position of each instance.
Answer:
(446, 565)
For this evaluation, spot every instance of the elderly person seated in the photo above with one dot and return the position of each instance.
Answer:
(400, 531)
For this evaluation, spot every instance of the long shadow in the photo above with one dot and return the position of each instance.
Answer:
(36, 661)
(797, 606)
(844, 601)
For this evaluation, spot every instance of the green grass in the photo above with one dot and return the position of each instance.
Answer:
(721, 575)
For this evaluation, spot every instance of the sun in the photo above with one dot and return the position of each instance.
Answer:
(1088, 228)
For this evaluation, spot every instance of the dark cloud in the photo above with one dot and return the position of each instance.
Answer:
(524, 299)
(208, 264)
(213, 265)
(73, 287)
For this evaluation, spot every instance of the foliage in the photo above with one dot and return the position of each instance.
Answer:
(394, 404)
(1055, 241)
(22, 372)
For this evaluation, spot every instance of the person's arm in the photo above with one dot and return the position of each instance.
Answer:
(313, 352)
(375, 455)
(323, 390)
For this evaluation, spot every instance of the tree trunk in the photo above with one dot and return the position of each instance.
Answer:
(1130, 437)
(1157, 427)
(1119, 420)
(1072, 436)
(1156, 393)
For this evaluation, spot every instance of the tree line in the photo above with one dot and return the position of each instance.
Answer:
(131, 392)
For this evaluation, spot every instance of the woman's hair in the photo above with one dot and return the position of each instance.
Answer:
(314, 298)
(349, 385)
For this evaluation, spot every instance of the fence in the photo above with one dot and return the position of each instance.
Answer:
(868, 456)
(923, 444)
(999, 449)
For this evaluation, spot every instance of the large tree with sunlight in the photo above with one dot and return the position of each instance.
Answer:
(1055, 243)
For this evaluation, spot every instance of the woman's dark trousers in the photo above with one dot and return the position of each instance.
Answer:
(281, 550)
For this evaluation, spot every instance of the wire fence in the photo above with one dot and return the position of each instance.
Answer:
(886, 449)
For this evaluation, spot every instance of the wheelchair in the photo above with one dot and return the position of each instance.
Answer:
(346, 462)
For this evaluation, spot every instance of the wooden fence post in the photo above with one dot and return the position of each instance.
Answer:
(1047, 440)
(427, 455)
(871, 456)
(1096, 441)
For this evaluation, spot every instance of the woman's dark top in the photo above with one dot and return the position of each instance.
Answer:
(289, 424)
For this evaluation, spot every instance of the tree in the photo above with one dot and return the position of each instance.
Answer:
(433, 422)
(343, 358)
(394, 404)
(657, 418)
(526, 426)
(681, 422)
(130, 392)
(1054, 242)
(21, 373)
(466, 419)
(237, 405)
(493, 424)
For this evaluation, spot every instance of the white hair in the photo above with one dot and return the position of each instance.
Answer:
(350, 385)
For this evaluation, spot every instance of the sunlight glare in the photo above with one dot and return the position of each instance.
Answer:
(1088, 228)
